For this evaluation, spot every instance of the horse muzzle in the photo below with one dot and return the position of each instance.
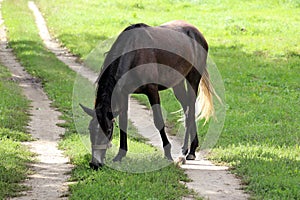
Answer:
(98, 155)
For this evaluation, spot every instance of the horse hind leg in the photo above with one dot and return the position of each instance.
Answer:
(194, 79)
(181, 95)
(154, 100)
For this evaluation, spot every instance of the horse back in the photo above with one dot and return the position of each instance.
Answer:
(188, 29)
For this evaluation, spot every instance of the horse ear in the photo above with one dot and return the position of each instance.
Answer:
(87, 110)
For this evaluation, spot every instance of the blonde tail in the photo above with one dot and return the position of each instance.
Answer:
(204, 102)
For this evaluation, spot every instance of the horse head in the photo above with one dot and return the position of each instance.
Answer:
(101, 131)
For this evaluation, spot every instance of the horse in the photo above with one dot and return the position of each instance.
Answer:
(145, 60)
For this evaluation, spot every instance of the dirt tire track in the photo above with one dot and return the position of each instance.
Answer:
(50, 171)
(208, 180)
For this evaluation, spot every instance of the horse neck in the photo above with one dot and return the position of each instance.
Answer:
(106, 84)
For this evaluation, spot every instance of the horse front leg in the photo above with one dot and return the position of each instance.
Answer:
(123, 123)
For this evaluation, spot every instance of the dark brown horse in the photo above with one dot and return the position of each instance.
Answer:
(146, 60)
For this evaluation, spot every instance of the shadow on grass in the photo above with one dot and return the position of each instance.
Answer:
(260, 139)
(57, 79)
(92, 41)
(262, 93)
(262, 96)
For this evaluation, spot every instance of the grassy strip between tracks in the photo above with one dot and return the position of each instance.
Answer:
(13, 155)
(58, 81)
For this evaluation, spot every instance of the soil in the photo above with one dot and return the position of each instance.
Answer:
(208, 180)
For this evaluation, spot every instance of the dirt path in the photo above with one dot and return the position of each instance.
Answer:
(209, 181)
(51, 168)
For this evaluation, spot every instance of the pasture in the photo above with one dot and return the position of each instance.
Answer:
(255, 46)
(57, 80)
(256, 49)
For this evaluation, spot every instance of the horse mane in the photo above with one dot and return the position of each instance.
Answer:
(133, 26)
(105, 87)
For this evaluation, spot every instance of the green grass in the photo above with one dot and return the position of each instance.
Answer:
(135, 186)
(13, 107)
(58, 81)
(110, 183)
(271, 171)
(256, 48)
(14, 117)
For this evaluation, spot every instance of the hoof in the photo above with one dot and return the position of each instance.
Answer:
(191, 157)
(96, 166)
(120, 156)
(167, 150)
(117, 159)
(169, 158)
